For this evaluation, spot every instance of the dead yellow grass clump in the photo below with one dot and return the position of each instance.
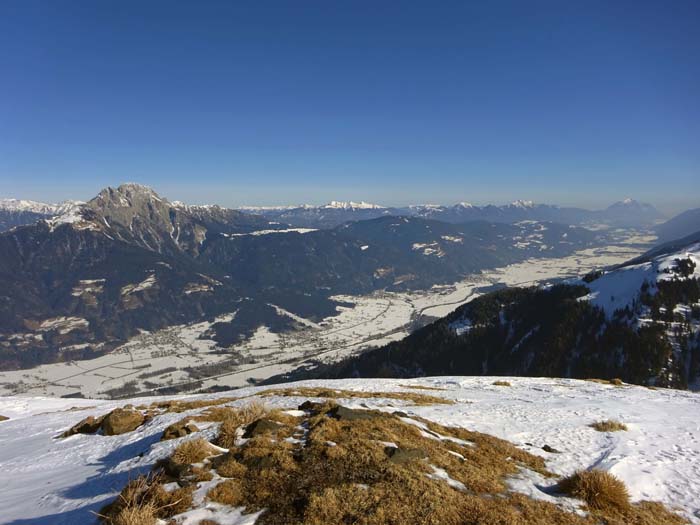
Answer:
(144, 500)
(599, 489)
(193, 451)
(609, 425)
(607, 498)
(244, 414)
(229, 467)
(413, 397)
(227, 492)
(143, 515)
(201, 474)
(232, 419)
(501, 383)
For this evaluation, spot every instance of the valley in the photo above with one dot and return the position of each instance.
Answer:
(183, 358)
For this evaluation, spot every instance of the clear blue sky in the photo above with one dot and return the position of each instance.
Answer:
(572, 102)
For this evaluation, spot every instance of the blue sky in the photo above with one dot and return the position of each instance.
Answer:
(578, 103)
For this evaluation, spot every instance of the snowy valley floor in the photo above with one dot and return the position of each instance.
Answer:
(49, 481)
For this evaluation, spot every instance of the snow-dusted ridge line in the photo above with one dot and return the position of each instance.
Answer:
(41, 208)
(658, 457)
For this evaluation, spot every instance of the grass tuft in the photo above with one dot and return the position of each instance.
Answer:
(141, 515)
(599, 489)
(227, 492)
(193, 451)
(609, 425)
(501, 383)
(144, 500)
(233, 419)
(229, 467)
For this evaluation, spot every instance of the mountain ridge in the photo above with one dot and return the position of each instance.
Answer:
(626, 213)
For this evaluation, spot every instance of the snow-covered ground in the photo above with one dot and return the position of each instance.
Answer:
(618, 289)
(47, 481)
(161, 358)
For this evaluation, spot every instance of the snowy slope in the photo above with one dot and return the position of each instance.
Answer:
(52, 482)
(621, 287)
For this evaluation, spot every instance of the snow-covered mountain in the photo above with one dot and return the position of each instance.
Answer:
(40, 208)
(350, 205)
(16, 212)
(520, 435)
(329, 215)
(627, 213)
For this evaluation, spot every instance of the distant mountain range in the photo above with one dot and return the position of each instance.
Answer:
(627, 213)
(639, 322)
(15, 212)
(78, 284)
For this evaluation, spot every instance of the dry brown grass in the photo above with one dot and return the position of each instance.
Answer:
(227, 492)
(608, 500)
(341, 472)
(4, 418)
(412, 397)
(200, 474)
(228, 467)
(501, 383)
(599, 489)
(355, 481)
(609, 425)
(144, 500)
(243, 415)
(143, 515)
(319, 484)
(232, 419)
(193, 451)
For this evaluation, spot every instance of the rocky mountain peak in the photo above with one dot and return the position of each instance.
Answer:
(129, 195)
